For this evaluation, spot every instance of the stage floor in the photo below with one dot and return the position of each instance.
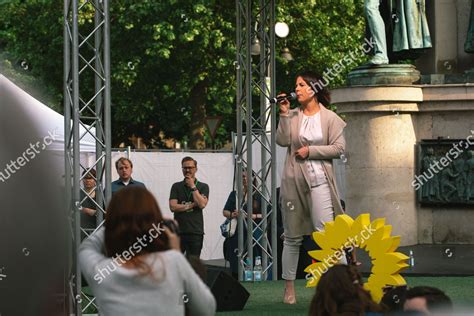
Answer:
(266, 297)
(448, 267)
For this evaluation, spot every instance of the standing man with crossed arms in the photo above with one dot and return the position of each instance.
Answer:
(187, 200)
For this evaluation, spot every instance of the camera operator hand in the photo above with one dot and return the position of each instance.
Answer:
(173, 239)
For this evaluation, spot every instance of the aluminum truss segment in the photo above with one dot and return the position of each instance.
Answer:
(86, 114)
(255, 151)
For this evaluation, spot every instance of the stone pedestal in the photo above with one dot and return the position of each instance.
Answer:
(384, 124)
(383, 74)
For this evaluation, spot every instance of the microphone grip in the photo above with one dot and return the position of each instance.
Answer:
(289, 97)
(274, 100)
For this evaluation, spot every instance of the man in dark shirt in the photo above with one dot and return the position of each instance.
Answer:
(187, 199)
(124, 168)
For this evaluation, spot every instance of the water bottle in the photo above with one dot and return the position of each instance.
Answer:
(257, 269)
(248, 273)
(411, 260)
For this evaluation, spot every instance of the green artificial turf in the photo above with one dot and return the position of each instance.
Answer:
(266, 298)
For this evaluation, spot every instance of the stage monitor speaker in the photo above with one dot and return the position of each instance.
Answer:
(230, 295)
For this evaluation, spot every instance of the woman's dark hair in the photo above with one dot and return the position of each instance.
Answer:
(436, 300)
(131, 214)
(394, 298)
(318, 85)
(341, 285)
(89, 174)
(254, 179)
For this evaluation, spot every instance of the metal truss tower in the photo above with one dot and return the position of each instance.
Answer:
(256, 126)
(86, 112)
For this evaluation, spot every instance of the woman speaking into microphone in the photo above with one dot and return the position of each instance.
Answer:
(314, 136)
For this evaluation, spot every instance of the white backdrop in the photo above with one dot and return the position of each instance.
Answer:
(159, 170)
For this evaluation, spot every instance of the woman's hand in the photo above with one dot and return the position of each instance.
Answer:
(89, 211)
(231, 215)
(256, 216)
(284, 104)
(173, 239)
(303, 152)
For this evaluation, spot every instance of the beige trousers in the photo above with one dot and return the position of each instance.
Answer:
(321, 212)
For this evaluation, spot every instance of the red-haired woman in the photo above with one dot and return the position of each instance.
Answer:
(142, 271)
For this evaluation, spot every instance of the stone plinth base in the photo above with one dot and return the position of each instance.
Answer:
(383, 75)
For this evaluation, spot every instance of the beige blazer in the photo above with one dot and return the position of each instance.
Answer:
(295, 196)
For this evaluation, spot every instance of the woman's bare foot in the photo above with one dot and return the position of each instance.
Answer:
(289, 297)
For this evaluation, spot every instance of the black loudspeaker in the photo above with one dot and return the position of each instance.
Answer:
(230, 295)
(305, 259)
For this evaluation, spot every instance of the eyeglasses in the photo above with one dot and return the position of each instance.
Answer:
(188, 168)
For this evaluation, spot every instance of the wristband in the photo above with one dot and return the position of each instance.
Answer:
(194, 189)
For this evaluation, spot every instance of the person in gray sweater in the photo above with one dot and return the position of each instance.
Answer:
(134, 265)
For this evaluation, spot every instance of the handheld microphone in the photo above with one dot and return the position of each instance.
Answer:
(289, 97)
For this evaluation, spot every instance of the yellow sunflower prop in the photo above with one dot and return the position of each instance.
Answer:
(374, 237)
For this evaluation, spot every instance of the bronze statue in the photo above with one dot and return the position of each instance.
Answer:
(401, 21)
(446, 182)
(459, 167)
(431, 187)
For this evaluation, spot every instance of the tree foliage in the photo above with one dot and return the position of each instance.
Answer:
(173, 62)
